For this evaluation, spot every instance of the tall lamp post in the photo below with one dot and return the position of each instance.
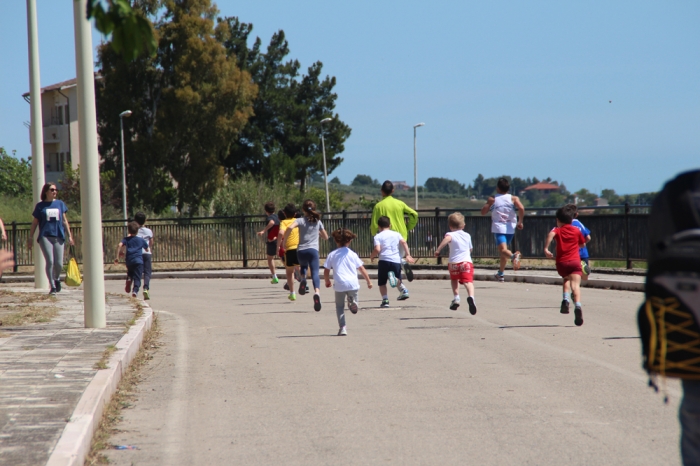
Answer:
(325, 170)
(415, 163)
(126, 113)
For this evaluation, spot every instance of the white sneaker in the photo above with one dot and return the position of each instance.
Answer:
(342, 332)
(392, 279)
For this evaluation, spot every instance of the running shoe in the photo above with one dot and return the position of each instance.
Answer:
(409, 271)
(302, 287)
(454, 305)
(292, 297)
(317, 303)
(58, 285)
(52, 292)
(352, 305)
(342, 332)
(516, 260)
(585, 268)
(127, 287)
(392, 279)
(472, 305)
(133, 295)
(499, 277)
(286, 286)
(403, 296)
(564, 307)
(385, 303)
(578, 316)
(275, 280)
(306, 288)
(146, 295)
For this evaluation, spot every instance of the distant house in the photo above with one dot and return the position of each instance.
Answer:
(59, 118)
(401, 186)
(544, 188)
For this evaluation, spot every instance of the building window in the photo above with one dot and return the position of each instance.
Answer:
(59, 111)
(67, 118)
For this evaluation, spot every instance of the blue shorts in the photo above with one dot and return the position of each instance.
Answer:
(503, 238)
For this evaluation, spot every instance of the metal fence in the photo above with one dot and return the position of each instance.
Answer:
(617, 232)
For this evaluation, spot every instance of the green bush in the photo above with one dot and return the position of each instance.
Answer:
(18, 209)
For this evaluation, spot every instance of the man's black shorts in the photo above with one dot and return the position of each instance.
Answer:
(271, 248)
(383, 269)
(290, 258)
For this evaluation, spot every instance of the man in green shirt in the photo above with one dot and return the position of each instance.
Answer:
(395, 209)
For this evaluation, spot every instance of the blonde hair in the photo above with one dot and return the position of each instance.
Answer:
(456, 220)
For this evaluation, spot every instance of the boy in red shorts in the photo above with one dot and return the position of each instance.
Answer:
(569, 239)
(460, 265)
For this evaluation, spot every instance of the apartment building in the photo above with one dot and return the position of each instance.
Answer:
(59, 118)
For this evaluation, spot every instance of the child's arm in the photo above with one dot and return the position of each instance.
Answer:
(323, 234)
(364, 273)
(375, 252)
(547, 242)
(408, 253)
(2, 231)
(269, 225)
(118, 252)
(327, 277)
(445, 241)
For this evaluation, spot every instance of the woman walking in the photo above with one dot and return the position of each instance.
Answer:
(310, 228)
(50, 217)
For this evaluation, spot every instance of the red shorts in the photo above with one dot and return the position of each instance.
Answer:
(462, 271)
(569, 268)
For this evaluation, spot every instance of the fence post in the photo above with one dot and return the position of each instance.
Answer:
(437, 233)
(345, 217)
(14, 245)
(627, 235)
(244, 245)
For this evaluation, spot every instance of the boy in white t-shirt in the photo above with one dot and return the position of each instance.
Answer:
(345, 264)
(147, 235)
(460, 265)
(386, 246)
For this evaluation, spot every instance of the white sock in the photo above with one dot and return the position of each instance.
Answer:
(457, 298)
(385, 296)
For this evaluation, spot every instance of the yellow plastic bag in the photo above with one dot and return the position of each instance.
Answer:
(73, 277)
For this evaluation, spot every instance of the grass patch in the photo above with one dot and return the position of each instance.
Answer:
(18, 309)
(618, 264)
(102, 363)
(123, 397)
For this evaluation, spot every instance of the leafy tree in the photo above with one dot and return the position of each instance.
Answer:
(335, 180)
(109, 184)
(132, 33)
(189, 103)
(612, 197)
(15, 176)
(586, 197)
(444, 185)
(364, 180)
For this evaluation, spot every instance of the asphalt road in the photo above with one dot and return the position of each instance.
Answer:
(247, 377)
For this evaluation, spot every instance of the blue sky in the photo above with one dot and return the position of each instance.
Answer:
(504, 87)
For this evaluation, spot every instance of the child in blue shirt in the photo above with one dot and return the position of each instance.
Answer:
(132, 247)
(583, 250)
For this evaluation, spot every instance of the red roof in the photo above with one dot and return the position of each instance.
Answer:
(541, 186)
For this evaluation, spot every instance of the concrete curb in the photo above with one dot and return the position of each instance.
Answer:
(607, 284)
(74, 444)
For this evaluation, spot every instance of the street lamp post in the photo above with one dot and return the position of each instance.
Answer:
(126, 113)
(325, 170)
(415, 164)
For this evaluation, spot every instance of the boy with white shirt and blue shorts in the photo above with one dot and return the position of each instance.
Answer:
(460, 266)
(504, 221)
(387, 244)
(147, 235)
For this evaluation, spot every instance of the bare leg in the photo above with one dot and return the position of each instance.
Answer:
(470, 288)
(455, 287)
(383, 290)
(290, 278)
(566, 285)
(505, 255)
(575, 287)
(271, 264)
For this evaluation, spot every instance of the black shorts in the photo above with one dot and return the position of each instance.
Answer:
(271, 248)
(383, 269)
(290, 258)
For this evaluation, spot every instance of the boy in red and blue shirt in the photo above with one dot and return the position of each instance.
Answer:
(569, 240)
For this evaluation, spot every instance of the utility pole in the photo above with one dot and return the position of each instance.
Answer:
(36, 132)
(93, 267)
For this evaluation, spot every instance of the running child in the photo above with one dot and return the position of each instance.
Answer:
(310, 228)
(503, 224)
(569, 239)
(272, 228)
(345, 264)
(386, 246)
(460, 264)
(147, 235)
(133, 247)
(289, 243)
(583, 250)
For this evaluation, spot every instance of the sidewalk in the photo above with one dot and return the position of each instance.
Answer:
(45, 369)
